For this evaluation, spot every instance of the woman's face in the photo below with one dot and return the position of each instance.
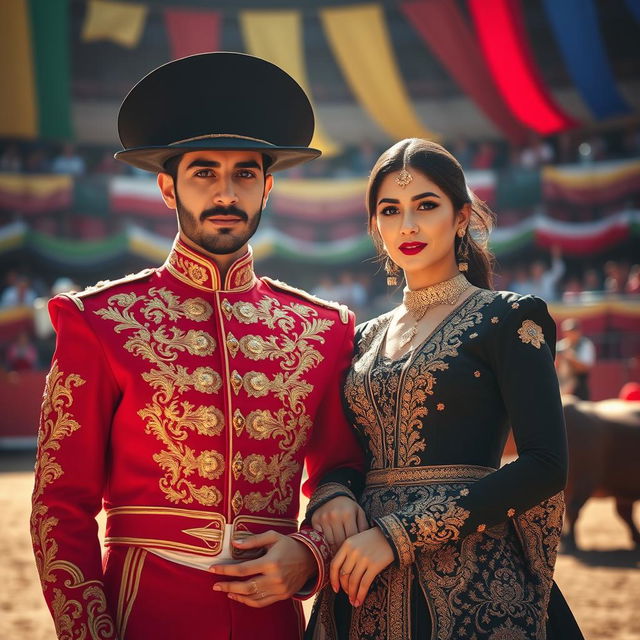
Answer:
(418, 224)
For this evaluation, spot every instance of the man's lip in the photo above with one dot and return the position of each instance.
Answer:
(224, 219)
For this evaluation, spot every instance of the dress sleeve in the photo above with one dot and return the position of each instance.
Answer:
(521, 357)
(80, 398)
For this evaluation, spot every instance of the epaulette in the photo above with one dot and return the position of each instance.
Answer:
(102, 285)
(342, 309)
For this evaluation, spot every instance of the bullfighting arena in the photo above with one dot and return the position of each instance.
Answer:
(601, 582)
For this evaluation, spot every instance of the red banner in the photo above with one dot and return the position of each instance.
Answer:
(500, 28)
(192, 31)
(444, 29)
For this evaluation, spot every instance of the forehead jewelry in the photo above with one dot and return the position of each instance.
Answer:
(404, 178)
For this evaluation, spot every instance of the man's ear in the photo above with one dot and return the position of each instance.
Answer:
(167, 189)
(268, 185)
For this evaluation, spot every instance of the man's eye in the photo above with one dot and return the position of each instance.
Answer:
(203, 173)
(245, 173)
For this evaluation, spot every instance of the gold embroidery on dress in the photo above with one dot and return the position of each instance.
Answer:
(297, 354)
(531, 333)
(57, 423)
(167, 417)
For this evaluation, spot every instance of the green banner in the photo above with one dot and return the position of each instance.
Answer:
(51, 36)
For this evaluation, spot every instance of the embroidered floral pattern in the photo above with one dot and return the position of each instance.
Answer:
(85, 616)
(531, 333)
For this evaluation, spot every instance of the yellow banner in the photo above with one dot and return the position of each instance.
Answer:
(277, 36)
(360, 42)
(120, 22)
(18, 109)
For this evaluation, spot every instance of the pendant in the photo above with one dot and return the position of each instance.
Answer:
(407, 337)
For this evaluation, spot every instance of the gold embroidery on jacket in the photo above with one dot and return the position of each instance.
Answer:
(295, 350)
(167, 417)
(57, 423)
(531, 333)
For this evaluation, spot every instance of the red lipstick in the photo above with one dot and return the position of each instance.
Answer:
(411, 248)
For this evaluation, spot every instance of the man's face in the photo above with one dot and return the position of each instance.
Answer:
(219, 196)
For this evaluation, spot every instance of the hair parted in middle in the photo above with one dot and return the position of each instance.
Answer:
(437, 164)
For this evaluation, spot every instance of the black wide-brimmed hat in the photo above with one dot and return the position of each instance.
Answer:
(216, 101)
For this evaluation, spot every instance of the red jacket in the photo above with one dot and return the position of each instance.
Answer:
(181, 403)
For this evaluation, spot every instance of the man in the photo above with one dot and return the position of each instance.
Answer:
(575, 357)
(185, 399)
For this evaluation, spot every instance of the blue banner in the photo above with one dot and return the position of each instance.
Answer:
(575, 25)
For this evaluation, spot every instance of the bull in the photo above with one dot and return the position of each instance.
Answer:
(604, 456)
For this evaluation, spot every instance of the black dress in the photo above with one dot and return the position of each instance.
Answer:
(474, 546)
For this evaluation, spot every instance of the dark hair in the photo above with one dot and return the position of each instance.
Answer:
(439, 165)
(171, 165)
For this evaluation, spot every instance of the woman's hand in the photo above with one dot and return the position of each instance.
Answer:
(358, 561)
(338, 519)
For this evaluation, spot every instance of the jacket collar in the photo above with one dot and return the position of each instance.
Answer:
(201, 272)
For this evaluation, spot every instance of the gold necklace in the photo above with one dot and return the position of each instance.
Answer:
(419, 301)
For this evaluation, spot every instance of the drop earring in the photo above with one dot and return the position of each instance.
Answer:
(463, 250)
(392, 270)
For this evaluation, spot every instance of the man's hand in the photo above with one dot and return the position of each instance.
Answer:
(339, 519)
(358, 561)
(282, 571)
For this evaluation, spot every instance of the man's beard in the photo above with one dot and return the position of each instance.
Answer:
(223, 241)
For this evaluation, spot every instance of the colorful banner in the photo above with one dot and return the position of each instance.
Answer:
(18, 113)
(592, 185)
(362, 46)
(35, 193)
(277, 36)
(50, 27)
(119, 22)
(446, 32)
(575, 25)
(192, 31)
(500, 28)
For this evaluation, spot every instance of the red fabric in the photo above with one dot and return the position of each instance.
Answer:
(630, 391)
(192, 31)
(164, 589)
(190, 395)
(444, 29)
(503, 39)
(584, 245)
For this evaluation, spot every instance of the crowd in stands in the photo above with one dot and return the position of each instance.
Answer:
(22, 157)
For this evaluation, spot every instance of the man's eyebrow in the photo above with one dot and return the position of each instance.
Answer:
(200, 162)
(426, 194)
(249, 164)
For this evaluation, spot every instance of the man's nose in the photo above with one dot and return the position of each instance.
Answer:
(226, 194)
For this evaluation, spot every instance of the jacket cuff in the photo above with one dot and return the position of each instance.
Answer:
(398, 538)
(316, 543)
(326, 492)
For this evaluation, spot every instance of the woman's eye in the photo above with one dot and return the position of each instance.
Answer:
(427, 205)
(388, 211)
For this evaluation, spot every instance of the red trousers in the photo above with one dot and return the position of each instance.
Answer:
(153, 598)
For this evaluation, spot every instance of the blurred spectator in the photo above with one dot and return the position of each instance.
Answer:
(364, 158)
(592, 280)
(572, 290)
(631, 142)
(566, 148)
(18, 293)
(462, 152)
(326, 289)
(614, 280)
(69, 161)
(542, 282)
(485, 156)
(109, 165)
(21, 354)
(538, 153)
(633, 281)
(11, 159)
(592, 150)
(520, 283)
(350, 291)
(37, 162)
(575, 356)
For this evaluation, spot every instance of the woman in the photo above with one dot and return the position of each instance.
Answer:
(442, 544)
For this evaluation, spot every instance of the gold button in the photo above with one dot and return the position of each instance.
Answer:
(232, 344)
(236, 381)
(258, 382)
(254, 345)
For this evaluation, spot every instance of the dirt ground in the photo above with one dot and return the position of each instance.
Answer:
(601, 582)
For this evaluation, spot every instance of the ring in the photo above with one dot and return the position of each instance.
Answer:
(262, 595)
(345, 573)
(254, 588)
